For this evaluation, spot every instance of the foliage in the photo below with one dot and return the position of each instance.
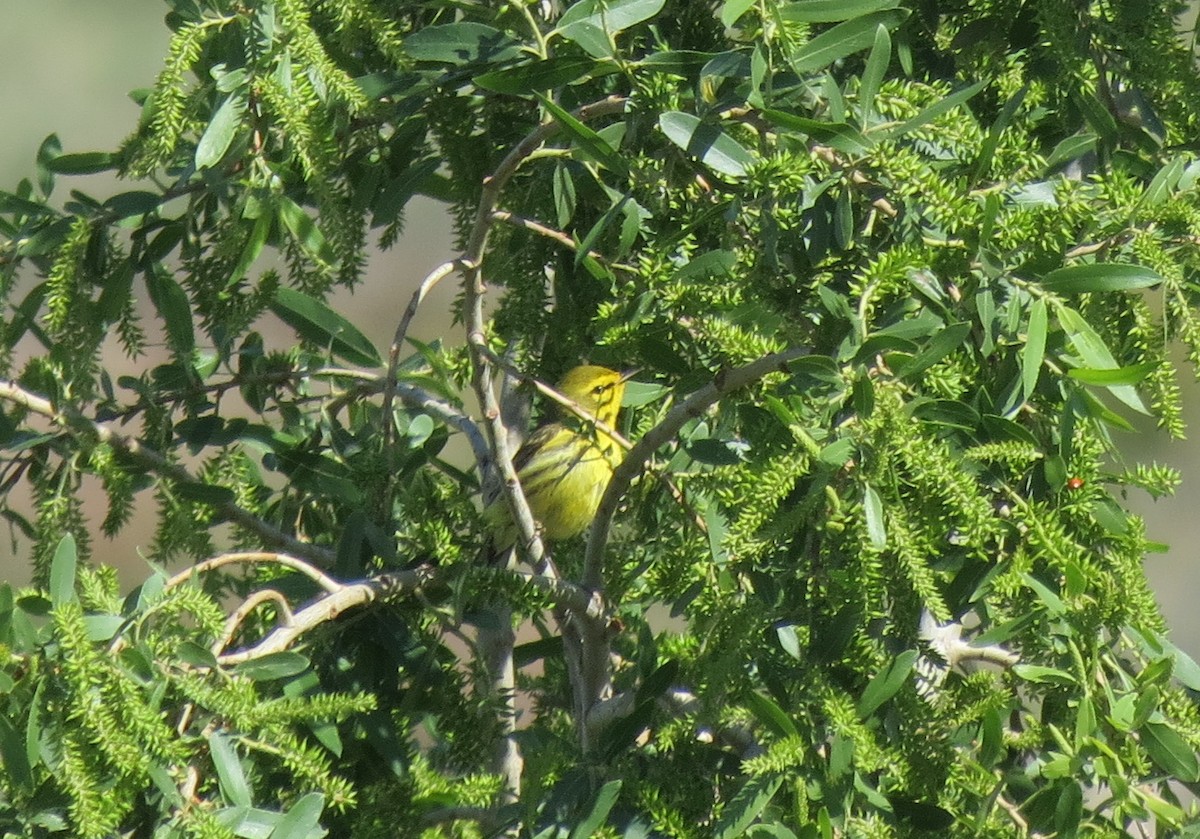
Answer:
(893, 272)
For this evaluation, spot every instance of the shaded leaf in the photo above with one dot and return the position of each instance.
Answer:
(464, 42)
(745, 807)
(844, 39)
(316, 322)
(606, 797)
(62, 571)
(1104, 276)
(708, 142)
(884, 684)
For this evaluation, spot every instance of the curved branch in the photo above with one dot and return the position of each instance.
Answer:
(629, 468)
(329, 606)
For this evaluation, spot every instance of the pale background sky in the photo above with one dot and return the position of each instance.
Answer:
(66, 66)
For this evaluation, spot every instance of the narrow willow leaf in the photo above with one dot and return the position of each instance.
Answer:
(837, 135)
(1042, 674)
(886, 683)
(1096, 354)
(1099, 277)
(934, 111)
(873, 509)
(606, 797)
(1164, 183)
(745, 807)
(844, 39)
(538, 75)
(771, 715)
(278, 665)
(988, 150)
(732, 10)
(708, 142)
(304, 230)
(316, 322)
(219, 134)
(230, 776)
(459, 43)
(84, 163)
(1130, 375)
(1035, 347)
(302, 820)
(609, 16)
(872, 76)
(831, 11)
(14, 756)
(586, 138)
(62, 571)
(1170, 751)
(1071, 148)
(940, 345)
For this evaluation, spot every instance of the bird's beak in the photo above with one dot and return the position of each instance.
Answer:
(629, 374)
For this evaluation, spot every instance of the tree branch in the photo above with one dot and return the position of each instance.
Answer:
(631, 466)
(72, 421)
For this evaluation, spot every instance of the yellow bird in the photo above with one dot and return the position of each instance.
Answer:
(565, 465)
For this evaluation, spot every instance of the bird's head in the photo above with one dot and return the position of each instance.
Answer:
(597, 390)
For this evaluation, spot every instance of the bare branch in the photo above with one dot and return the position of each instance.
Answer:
(328, 607)
(76, 423)
(558, 236)
(249, 558)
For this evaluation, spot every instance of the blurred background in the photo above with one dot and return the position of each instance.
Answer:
(67, 66)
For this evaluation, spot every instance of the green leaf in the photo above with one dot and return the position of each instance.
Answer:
(771, 715)
(844, 39)
(174, 308)
(302, 820)
(1044, 675)
(316, 322)
(873, 73)
(134, 203)
(873, 509)
(988, 150)
(62, 571)
(789, 640)
(1170, 751)
(1130, 375)
(942, 106)
(304, 230)
(84, 163)
(1102, 276)
(838, 135)
(885, 684)
(14, 756)
(732, 10)
(744, 808)
(1035, 347)
(606, 797)
(461, 43)
(1164, 183)
(230, 776)
(1096, 354)
(49, 149)
(708, 142)
(278, 665)
(608, 16)
(1071, 148)
(586, 138)
(940, 345)
(539, 75)
(831, 11)
(219, 133)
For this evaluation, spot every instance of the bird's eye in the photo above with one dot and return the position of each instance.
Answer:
(599, 389)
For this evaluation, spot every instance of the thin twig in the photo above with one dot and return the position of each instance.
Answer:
(257, 557)
(558, 236)
(234, 621)
(389, 386)
(75, 422)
